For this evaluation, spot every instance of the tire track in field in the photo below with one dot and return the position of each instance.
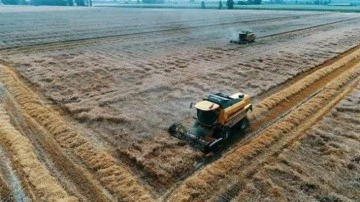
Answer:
(270, 137)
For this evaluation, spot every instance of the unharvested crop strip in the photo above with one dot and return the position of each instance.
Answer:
(39, 178)
(115, 177)
(200, 186)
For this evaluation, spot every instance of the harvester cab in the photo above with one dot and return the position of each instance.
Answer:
(215, 116)
(245, 37)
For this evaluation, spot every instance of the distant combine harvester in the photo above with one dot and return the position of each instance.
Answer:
(49, 2)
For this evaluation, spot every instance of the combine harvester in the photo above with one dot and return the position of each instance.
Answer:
(245, 37)
(49, 2)
(216, 115)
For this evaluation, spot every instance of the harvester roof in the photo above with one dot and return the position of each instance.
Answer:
(225, 101)
(206, 105)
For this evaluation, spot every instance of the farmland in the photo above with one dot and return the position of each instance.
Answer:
(87, 95)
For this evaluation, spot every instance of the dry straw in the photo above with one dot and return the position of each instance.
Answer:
(115, 177)
(43, 184)
(300, 85)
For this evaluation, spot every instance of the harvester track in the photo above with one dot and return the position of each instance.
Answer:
(129, 36)
(278, 122)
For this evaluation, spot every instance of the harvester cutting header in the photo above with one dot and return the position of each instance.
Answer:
(216, 115)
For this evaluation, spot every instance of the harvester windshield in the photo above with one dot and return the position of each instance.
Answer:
(207, 112)
(207, 118)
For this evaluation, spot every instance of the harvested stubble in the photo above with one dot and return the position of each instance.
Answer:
(43, 185)
(116, 178)
(268, 103)
(156, 157)
(201, 185)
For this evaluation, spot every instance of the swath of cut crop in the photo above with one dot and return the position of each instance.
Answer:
(66, 170)
(206, 182)
(42, 183)
(273, 100)
(116, 178)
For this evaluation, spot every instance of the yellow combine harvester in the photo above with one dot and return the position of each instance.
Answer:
(216, 115)
(245, 37)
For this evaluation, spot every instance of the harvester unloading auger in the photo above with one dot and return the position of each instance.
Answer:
(216, 115)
